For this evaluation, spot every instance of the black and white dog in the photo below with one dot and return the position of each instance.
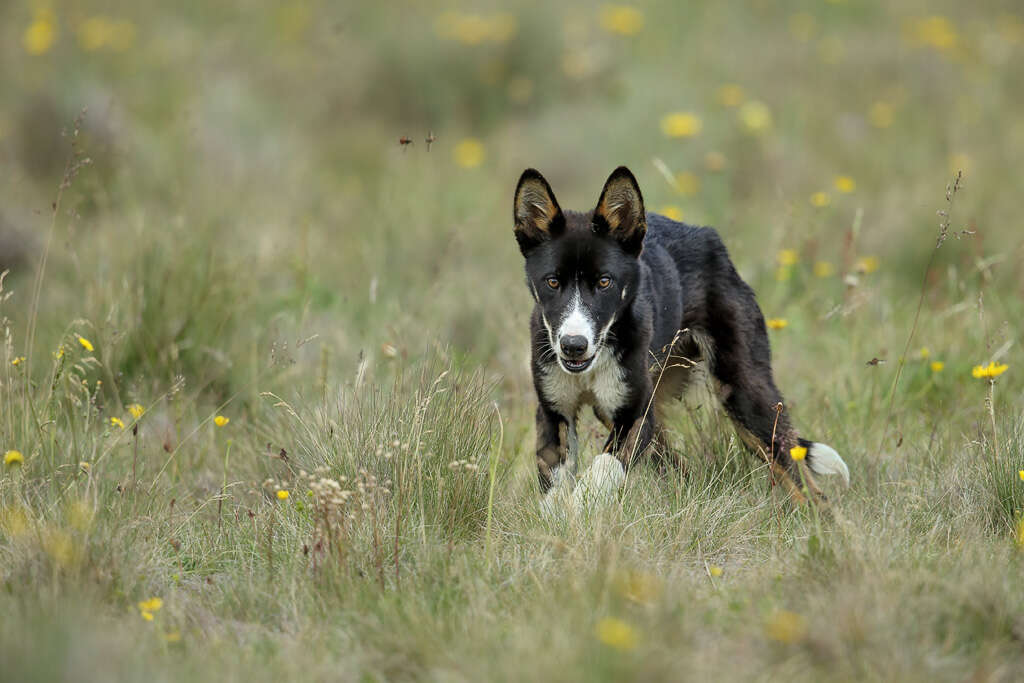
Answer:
(628, 305)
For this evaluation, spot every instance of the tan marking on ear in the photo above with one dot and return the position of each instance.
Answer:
(622, 207)
(535, 207)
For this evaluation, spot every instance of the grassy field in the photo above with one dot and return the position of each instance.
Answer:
(264, 391)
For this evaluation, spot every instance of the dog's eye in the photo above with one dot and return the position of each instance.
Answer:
(604, 282)
(553, 282)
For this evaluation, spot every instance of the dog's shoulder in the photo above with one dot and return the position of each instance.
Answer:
(699, 242)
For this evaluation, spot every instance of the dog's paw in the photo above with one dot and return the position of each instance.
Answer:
(554, 503)
(600, 484)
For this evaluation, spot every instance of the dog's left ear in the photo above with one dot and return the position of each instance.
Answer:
(620, 211)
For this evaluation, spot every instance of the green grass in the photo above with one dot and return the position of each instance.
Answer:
(250, 240)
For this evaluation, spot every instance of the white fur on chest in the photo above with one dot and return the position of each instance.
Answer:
(602, 386)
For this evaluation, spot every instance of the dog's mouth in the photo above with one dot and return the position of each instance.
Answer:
(577, 365)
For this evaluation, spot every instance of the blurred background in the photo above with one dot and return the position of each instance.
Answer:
(263, 174)
(297, 217)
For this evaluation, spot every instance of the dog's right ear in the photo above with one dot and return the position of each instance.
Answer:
(537, 214)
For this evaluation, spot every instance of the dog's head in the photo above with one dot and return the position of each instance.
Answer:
(582, 268)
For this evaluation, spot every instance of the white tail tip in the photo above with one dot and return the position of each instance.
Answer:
(825, 460)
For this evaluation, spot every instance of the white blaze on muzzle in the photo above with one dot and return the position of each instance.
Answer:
(577, 323)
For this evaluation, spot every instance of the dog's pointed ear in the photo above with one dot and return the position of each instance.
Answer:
(537, 214)
(620, 211)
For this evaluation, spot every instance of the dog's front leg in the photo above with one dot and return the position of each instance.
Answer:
(631, 437)
(557, 447)
(607, 473)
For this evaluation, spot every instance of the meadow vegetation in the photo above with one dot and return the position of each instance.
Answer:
(265, 405)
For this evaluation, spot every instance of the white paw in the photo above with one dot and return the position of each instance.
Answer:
(600, 484)
(557, 498)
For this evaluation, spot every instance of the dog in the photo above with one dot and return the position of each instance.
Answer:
(628, 305)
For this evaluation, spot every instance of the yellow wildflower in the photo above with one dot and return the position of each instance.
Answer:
(469, 153)
(755, 116)
(672, 211)
(993, 369)
(786, 627)
(730, 95)
(148, 616)
(86, 344)
(880, 115)
(845, 184)
(616, 633)
(116, 422)
(1021, 474)
(136, 410)
(798, 452)
(85, 466)
(474, 29)
(152, 605)
(622, 19)
(220, 420)
(283, 494)
(687, 183)
(820, 200)
(14, 522)
(937, 366)
(639, 587)
(80, 514)
(788, 257)
(924, 353)
(776, 323)
(59, 353)
(40, 34)
(60, 547)
(935, 32)
(867, 264)
(823, 269)
(18, 361)
(13, 458)
(681, 124)
(715, 571)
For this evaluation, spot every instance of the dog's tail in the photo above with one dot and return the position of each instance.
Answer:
(823, 459)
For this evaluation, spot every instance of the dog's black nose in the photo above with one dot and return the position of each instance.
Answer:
(573, 345)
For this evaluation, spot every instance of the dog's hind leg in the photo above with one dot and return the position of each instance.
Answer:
(742, 368)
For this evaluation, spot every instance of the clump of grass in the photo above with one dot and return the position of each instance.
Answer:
(431, 432)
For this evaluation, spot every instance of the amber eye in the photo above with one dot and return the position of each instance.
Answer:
(553, 282)
(604, 282)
